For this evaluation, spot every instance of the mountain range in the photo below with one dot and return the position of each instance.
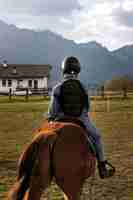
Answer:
(25, 46)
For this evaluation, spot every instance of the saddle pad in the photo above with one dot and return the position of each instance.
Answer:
(49, 128)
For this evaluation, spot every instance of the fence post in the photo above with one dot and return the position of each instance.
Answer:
(102, 92)
(27, 94)
(108, 103)
(94, 99)
(43, 93)
(124, 92)
(10, 94)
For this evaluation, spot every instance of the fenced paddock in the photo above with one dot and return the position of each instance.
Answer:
(41, 94)
(19, 117)
(24, 94)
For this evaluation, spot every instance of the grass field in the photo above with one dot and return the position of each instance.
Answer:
(115, 121)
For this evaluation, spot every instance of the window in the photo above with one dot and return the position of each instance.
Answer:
(3, 83)
(30, 83)
(19, 83)
(36, 84)
(9, 83)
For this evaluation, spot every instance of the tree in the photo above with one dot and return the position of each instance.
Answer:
(122, 83)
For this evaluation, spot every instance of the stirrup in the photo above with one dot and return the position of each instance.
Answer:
(104, 172)
(111, 171)
(109, 164)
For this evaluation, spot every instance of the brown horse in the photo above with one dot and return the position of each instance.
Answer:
(60, 151)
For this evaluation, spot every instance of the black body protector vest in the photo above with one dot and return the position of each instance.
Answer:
(73, 98)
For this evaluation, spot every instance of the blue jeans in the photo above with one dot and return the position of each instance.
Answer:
(94, 135)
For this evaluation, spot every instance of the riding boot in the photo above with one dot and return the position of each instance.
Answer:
(105, 169)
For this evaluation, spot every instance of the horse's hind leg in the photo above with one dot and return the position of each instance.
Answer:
(38, 184)
(72, 187)
(36, 189)
(41, 176)
(72, 196)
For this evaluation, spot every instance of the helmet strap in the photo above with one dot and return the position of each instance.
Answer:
(67, 76)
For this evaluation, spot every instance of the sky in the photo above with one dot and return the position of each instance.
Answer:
(109, 22)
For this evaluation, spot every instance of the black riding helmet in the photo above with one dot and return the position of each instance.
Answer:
(70, 65)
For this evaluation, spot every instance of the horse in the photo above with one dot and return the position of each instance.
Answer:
(58, 150)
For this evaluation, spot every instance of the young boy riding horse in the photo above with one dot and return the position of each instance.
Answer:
(70, 100)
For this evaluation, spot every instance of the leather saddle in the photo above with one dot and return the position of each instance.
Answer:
(79, 123)
(69, 119)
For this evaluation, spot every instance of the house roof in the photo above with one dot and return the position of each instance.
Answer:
(18, 71)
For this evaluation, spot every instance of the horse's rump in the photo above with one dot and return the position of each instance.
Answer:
(72, 159)
(68, 146)
(71, 152)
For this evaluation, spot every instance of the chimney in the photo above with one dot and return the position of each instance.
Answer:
(14, 70)
(4, 64)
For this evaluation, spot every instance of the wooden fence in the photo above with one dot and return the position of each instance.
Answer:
(95, 94)
(26, 93)
(111, 94)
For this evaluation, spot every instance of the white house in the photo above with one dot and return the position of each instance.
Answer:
(16, 76)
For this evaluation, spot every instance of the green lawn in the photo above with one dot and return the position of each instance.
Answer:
(114, 119)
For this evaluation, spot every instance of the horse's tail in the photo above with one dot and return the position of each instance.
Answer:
(25, 169)
(18, 190)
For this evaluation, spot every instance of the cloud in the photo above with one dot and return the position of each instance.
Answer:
(101, 24)
(109, 22)
(55, 15)
(40, 7)
(123, 15)
(125, 18)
